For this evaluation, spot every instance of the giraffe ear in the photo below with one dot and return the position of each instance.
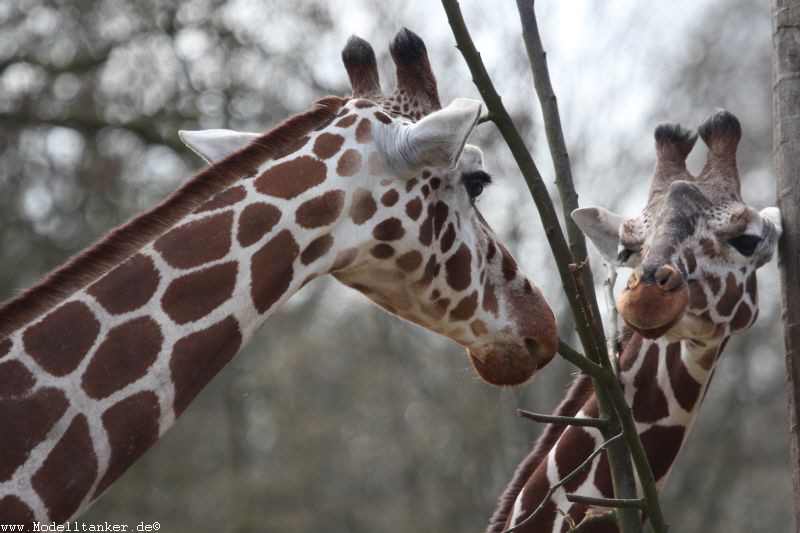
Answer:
(602, 227)
(216, 145)
(436, 140)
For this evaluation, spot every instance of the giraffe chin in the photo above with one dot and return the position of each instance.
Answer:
(511, 365)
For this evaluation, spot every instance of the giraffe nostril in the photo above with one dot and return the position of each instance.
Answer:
(668, 277)
(541, 355)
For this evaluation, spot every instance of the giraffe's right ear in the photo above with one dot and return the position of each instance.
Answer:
(216, 145)
(602, 227)
(436, 140)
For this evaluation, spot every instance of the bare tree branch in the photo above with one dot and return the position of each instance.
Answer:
(599, 423)
(618, 503)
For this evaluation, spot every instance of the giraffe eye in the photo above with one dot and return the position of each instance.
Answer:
(474, 182)
(745, 244)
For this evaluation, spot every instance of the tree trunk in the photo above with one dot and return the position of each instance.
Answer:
(786, 153)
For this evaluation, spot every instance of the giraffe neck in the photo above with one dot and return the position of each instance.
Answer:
(88, 387)
(663, 381)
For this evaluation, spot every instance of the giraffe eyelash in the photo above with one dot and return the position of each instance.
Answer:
(475, 182)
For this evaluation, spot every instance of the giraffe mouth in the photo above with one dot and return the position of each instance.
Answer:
(511, 364)
(652, 311)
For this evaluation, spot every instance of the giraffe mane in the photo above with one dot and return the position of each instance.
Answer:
(579, 392)
(124, 241)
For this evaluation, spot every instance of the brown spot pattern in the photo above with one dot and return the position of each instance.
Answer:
(256, 221)
(731, 296)
(602, 477)
(630, 353)
(750, 287)
(426, 228)
(132, 427)
(439, 217)
(390, 198)
(685, 388)
(127, 287)
(713, 282)
(195, 295)
(649, 401)
(5, 347)
(509, 266)
(661, 444)
(346, 121)
(742, 318)
(489, 302)
(691, 262)
(61, 340)
(465, 308)
(15, 379)
(124, 357)
(709, 248)
(26, 422)
(198, 357)
(409, 261)
(227, 197)
(271, 270)
(427, 274)
(383, 117)
(316, 249)
(197, 242)
(363, 206)
(14, 511)
(382, 251)
(573, 449)
(458, 268)
(414, 208)
(327, 145)
(291, 178)
(320, 211)
(349, 164)
(68, 472)
(448, 238)
(390, 229)
(478, 327)
(364, 131)
(697, 296)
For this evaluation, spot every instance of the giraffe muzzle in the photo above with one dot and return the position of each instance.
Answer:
(510, 364)
(654, 300)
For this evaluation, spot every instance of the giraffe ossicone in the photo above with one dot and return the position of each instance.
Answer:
(694, 250)
(99, 359)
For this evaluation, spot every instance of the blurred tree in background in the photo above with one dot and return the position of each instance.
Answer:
(339, 416)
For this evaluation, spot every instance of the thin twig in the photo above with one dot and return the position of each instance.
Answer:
(598, 423)
(616, 503)
(581, 361)
(566, 479)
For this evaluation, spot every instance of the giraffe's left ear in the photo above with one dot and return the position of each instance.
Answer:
(602, 228)
(436, 140)
(216, 145)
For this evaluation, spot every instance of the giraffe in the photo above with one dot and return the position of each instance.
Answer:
(694, 250)
(99, 359)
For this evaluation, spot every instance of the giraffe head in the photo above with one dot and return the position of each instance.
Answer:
(695, 247)
(385, 194)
